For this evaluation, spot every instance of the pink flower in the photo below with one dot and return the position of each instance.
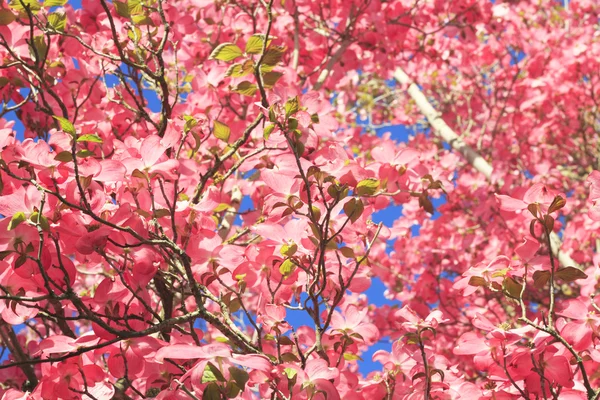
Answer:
(538, 195)
(354, 323)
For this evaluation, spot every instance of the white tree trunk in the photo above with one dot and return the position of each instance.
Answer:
(441, 129)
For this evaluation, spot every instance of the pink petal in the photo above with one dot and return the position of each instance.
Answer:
(528, 248)
(405, 156)
(470, 343)
(111, 171)
(92, 241)
(13, 203)
(318, 369)
(166, 168)
(255, 362)
(57, 344)
(151, 150)
(181, 352)
(572, 308)
(330, 392)
(507, 203)
(278, 182)
(558, 370)
(538, 193)
(594, 182)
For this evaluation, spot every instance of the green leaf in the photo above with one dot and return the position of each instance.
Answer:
(122, 8)
(255, 44)
(190, 122)
(58, 21)
(162, 212)
(347, 252)
(38, 218)
(478, 281)
(232, 390)
(212, 374)
(198, 141)
(291, 106)
(418, 375)
(287, 267)
(569, 274)
(182, 196)
(85, 153)
(534, 208)
(143, 213)
(411, 338)
(512, 288)
(211, 392)
(226, 52)
(540, 278)
(54, 3)
(16, 220)
(335, 191)
(30, 248)
(134, 7)
(367, 187)
(39, 50)
(20, 5)
(221, 207)
(316, 211)
(268, 130)
(140, 20)
(134, 33)
(532, 227)
(500, 273)
(292, 124)
(270, 78)
(299, 147)
(89, 138)
(354, 209)
(64, 156)
(240, 70)
(425, 203)
(285, 341)
(351, 357)
(221, 131)
(6, 17)
(139, 174)
(20, 261)
(239, 376)
(246, 88)
(290, 373)
(549, 222)
(289, 357)
(272, 115)
(65, 125)
(235, 305)
(439, 372)
(273, 55)
(557, 204)
(85, 181)
(288, 250)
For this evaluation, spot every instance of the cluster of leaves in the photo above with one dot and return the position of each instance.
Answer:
(129, 268)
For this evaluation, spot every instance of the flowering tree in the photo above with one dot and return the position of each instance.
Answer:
(129, 269)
